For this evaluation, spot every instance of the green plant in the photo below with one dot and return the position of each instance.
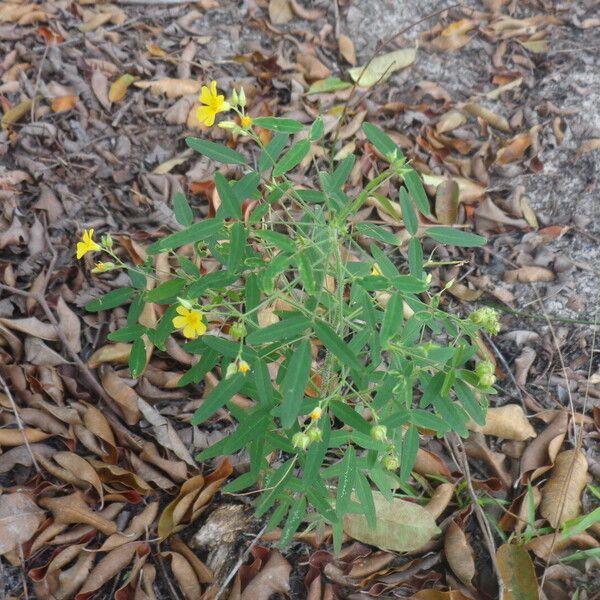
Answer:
(351, 336)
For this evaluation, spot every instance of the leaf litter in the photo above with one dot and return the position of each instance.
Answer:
(91, 138)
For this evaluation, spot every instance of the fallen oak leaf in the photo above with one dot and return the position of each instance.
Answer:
(20, 518)
(561, 495)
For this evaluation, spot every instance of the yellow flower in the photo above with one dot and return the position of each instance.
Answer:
(87, 244)
(243, 367)
(214, 103)
(246, 121)
(316, 413)
(376, 270)
(190, 322)
(100, 267)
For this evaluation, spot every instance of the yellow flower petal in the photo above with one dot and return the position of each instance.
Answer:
(180, 322)
(213, 87)
(189, 331)
(205, 95)
(201, 329)
(206, 115)
(182, 310)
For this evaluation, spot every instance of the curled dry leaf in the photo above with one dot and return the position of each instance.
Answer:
(171, 88)
(118, 88)
(470, 191)
(184, 575)
(447, 198)
(272, 579)
(428, 463)
(439, 595)
(74, 509)
(487, 115)
(124, 395)
(561, 496)
(17, 437)
(111, 353)
(381, 67)
(440, 499)
(310, 14)
(81, 468)
(528, 274)
(346, 47)
(192, 499)
(19, 520)
(139, 525)
(401, 526)
(69, 324)
(459, 553)
(32, 326)
(99, 83)
(106, 569)
(508, 422)
(450, 120)
(539, 456)
(517, 572)
(549, 545)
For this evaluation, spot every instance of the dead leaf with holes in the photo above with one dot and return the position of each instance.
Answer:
(19, 519)
(561, 495)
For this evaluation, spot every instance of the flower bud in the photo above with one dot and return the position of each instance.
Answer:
(485, 372)
(243, 367)
(107, 241)
(314, 434)
(234, 98)
(232, 369)
(316, 413)
(238, 330)
(487, 318)
(242, 98)
(300, 440)
(228, 125)
(185, 303)
(379, 432)
(391, 463)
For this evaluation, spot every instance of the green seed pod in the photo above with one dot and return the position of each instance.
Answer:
(300, 440)
(379, 433)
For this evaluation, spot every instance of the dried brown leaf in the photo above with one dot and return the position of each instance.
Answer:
(124, 395)
(32, 326)
(440, 499)
(171, 88)
(508, 422)
(517, 572)
(561, 496)
(495, 120)
(347, 50)
(280, 12)
(19, 519)
(272, 579)
(459, 553)
(528, 274)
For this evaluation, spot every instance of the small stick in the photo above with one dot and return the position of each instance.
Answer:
(19, 422)
(240, 562)
(460, 458)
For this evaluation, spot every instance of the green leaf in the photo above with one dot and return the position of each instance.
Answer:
(295, 518)
(183, 211)
(401, 526)
(137, 358)
(415, 257)
(287, 329)
(378, 233)
(231, 205)
(410, 446)
(317, 130)
(138, 280)
(350, 417)
(413, 182)
(283, 242)
(194, 233)
(294, 383)
(270, 154)
(196, 374)
(424, 419)
(392, 318)
(224, 390)
(273, 487)
(279, 124)
(455, 237)
(237, 245)
(365, 495)
(346, 482)
(215, 151)
(127, 334)
(291, 158)
(580, 524)
(111, 300)
(409, 216)
(165, 291)
(336, 345)
(467, 398)
(331, 84)
(381, 140)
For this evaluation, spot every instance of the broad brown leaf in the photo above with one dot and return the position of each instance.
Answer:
(19, 519)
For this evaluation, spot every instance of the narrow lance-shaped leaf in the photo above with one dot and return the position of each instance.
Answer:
(455, 237)
(294, 383)
(217, 152)
(292, 158)
(225, 389)
(336, 345)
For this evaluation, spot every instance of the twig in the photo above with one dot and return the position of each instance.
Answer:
(460, 458)
(13, 405)
(240, 562)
